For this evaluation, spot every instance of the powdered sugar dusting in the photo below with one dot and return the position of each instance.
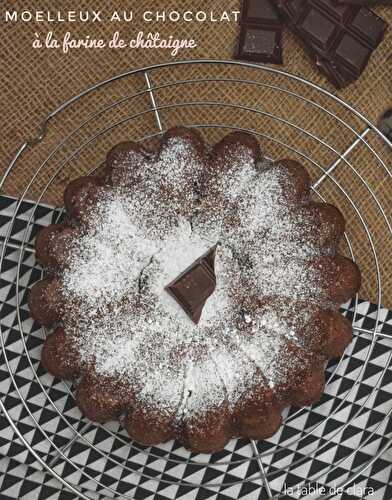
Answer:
(141, 238)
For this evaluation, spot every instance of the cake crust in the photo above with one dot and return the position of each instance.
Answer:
(53, 245)
(60, 357)
(45, 301)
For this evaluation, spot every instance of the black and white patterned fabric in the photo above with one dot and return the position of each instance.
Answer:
(316, 450)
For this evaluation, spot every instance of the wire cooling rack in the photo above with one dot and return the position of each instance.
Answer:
(286, 113)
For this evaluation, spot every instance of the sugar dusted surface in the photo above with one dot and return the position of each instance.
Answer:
(141, 238)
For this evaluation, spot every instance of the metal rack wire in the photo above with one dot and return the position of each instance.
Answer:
(151, 85)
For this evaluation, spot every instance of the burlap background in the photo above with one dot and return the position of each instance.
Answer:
(34, 82)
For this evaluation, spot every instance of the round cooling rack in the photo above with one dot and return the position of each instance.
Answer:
(346, 156)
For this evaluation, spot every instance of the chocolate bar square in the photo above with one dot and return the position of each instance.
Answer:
(369, 27)
(351, 53)
(341, 13)
(260, 44)
(338, 76)
(260, 12)
(295, 7)
(290, 9)
(260, 38)
(317, 27)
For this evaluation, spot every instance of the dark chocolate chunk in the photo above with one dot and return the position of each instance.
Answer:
(321, 30)
(370, 27)
(260, 12)
(290, 11)
(341, 13)
(193, 287)
(336, 75)
(260, 38)
(339, 38)
(352, 53)
(260, 44)
(294, 8)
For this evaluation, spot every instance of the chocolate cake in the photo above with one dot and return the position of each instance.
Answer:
(194, 291)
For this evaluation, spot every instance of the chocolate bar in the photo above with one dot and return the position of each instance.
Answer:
(339, 38)
(192, 287)
(261, 32)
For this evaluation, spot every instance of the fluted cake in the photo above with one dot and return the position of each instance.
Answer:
(193, 292)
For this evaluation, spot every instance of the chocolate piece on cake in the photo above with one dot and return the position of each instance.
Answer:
(193, 287)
